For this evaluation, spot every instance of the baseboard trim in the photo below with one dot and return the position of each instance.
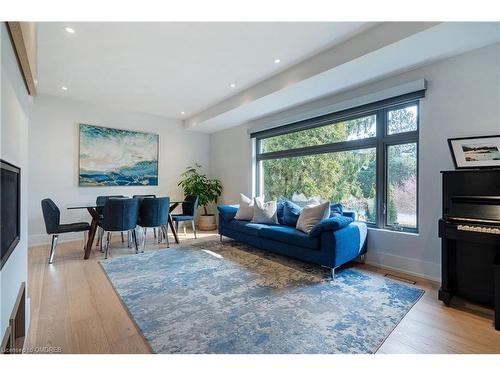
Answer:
(408, 266)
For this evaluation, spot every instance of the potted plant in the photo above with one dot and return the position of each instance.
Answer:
(193, 182)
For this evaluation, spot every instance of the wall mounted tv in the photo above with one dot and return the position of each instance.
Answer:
(10, 208)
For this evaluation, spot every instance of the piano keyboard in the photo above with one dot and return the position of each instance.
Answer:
(476, 228)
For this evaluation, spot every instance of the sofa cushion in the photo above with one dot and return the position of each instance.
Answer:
(291, 213)
(264, 212)
(288, 235)
(310, 216)
(227, 211)
(279, 211)
(245, 208)
(336, 208)
(246, 227)
(331, 224)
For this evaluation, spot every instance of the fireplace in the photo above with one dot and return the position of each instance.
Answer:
(10, 204)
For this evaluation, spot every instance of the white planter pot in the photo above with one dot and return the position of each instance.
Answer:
(207, 222)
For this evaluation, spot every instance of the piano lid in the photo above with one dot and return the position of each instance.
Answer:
(479, 208)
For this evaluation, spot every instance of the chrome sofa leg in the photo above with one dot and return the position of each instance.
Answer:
(362, 258)
(108, 240)
(194, 228)
(53, 248)
(333, 273)
(221, 238)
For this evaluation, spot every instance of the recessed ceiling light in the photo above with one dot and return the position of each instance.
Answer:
(183, 113)
(69, 30)
(232, 85)
(64, 88)
(277, 61)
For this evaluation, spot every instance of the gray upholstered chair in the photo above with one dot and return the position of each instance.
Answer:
(141, 197)
(120, 215)
(52, 218)
(153, 213)
(100, 202)
(189, 209)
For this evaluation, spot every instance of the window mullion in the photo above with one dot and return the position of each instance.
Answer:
(381, 162)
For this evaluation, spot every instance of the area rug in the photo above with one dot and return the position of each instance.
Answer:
(228, 297)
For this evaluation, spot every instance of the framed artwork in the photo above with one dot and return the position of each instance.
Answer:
(475, 152)
(117, 157)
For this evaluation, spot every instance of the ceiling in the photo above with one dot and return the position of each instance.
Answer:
(384, 50)
(169, 68)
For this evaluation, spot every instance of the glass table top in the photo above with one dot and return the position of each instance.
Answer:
(79, 206)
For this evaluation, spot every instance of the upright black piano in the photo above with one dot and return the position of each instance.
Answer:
(470, 237)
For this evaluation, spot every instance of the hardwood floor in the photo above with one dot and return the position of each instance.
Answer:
(74, 308)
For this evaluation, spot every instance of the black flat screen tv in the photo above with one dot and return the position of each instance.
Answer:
(10, 208)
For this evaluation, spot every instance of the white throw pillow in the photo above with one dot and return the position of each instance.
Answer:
(265, 213)
(312, 215)
(245, 211)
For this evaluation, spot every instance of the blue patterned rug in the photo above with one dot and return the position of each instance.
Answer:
(232, 298)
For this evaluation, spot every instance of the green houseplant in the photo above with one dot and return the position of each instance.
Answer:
(193, 182)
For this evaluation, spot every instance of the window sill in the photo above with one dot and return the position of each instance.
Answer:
(416, 234)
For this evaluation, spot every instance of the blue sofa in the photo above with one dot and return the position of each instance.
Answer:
(332, 242)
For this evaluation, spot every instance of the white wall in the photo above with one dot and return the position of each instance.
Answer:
(15, 104)
(53, 157)
(463, 99)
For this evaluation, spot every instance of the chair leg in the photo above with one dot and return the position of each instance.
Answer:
(98, 240)
(123, 239)
(144, 239)
(101, 235)
(165, 233)
(129, 239)
(194, 228)
(221, 238)
(154, 232)
(85, 235)
(160, 235)
(134, 238)
(108, 240)
(184, 227)
(333, 273)
(53, 248)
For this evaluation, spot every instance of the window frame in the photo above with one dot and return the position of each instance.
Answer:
(380, 142)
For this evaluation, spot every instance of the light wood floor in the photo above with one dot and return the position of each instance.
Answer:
(75, 308)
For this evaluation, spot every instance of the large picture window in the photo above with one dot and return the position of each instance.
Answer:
(365, 158)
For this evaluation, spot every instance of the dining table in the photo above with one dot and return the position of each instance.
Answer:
(93, 210)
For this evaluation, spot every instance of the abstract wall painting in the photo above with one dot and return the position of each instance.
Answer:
(116, 157)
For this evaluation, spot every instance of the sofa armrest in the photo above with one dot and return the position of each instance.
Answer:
(351, 214)
(228, 212)
(331, 224)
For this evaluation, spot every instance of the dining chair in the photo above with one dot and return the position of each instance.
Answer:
(189, 208)
(120, 215)
(100, 202)
(53, 226)
(141, 197)
(153, 213)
